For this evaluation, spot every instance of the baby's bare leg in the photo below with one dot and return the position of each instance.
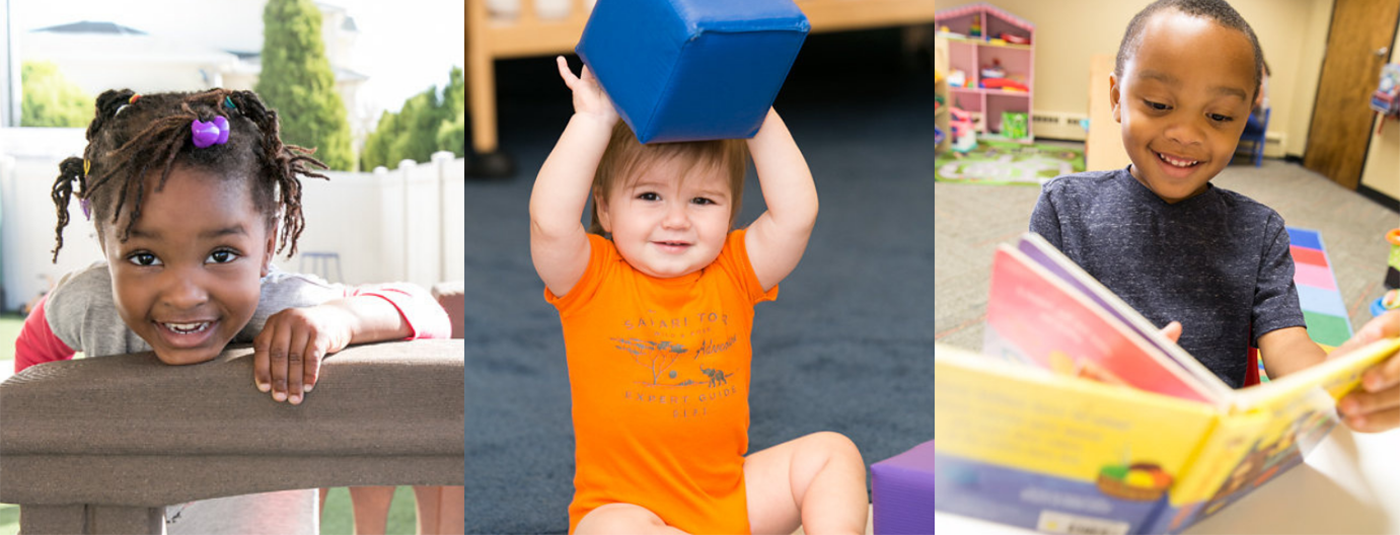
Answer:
(615, 518)
(817, 481)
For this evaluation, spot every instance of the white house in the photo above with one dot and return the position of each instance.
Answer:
(173, 55)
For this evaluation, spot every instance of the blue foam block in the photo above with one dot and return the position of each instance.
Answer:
(689, 70)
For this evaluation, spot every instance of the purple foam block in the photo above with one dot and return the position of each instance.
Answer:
(902, 492)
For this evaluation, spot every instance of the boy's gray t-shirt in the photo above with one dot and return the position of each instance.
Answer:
(83, 314)
(1218, 262)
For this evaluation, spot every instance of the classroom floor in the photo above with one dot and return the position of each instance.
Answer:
(971, 220)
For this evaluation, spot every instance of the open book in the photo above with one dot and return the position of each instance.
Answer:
(1080, 417)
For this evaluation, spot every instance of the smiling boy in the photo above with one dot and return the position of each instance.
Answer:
(1162, 237)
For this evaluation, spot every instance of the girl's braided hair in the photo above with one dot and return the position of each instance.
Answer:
(134, 135)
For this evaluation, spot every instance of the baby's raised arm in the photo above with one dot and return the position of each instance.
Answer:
(776, 240)
(558, 243)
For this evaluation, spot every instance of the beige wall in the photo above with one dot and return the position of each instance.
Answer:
(1293, 34)
(1382, 171)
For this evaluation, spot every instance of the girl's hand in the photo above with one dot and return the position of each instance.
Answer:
(589, 98)
(287, 353)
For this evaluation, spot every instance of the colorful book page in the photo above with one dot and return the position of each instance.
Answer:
(1042, 252)
(1034, 317)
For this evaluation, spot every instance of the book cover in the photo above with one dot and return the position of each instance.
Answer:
(1080, 417)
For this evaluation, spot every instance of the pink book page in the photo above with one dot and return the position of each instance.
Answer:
(1046, 323)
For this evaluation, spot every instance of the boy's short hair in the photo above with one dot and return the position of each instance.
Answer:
(1215, 10)
(625, 158)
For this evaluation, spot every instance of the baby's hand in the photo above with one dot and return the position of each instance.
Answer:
(287, 353)
(589, 97)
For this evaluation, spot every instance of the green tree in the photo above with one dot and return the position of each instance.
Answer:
(50, 99)
(298, 82)
(453, 134)
(420, 120)
(428, 122)
(376, 150)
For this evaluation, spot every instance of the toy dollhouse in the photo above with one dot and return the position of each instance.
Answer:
(992, 68)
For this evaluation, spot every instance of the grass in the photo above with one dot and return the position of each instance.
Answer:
(9, 331)
(335, 520)
(338, 520)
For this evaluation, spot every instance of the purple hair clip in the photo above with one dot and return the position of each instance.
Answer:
(87, 208)
(211, 133)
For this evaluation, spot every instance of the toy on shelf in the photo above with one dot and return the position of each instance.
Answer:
(976, 30)
(944, 32)
(1013, 125)
(957, 78)
(1004, 85)
(964, 130)
(994, 71)
(1015, 39)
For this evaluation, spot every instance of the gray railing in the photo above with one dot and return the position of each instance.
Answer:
(102, 445)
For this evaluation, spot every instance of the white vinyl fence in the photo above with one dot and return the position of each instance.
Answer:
(388, 225)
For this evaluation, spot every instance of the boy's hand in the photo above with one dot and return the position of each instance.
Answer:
(1172, 331)
(287, 353)
(589, 98)
(1375, 406)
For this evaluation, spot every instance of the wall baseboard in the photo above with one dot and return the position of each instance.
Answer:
(1058, 125)
(1380, 198)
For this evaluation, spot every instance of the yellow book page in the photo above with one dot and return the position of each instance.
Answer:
(1219, 455)
(1336, 376)
(1029, 419)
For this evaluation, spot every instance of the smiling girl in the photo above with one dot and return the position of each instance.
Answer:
(190, 194)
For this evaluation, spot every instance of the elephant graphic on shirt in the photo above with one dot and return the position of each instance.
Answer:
(717, 377)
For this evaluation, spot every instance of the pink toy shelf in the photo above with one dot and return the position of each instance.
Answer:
(982, 36)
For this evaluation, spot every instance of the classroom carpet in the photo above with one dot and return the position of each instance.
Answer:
(847, 346)
(995, 162)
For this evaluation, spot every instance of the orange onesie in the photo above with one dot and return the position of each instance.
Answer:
(659, 373)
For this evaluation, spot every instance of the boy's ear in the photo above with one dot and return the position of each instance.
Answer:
(1113, 97)
(600, 206)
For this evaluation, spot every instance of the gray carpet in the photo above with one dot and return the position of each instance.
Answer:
(971, 220)
(846, 347)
